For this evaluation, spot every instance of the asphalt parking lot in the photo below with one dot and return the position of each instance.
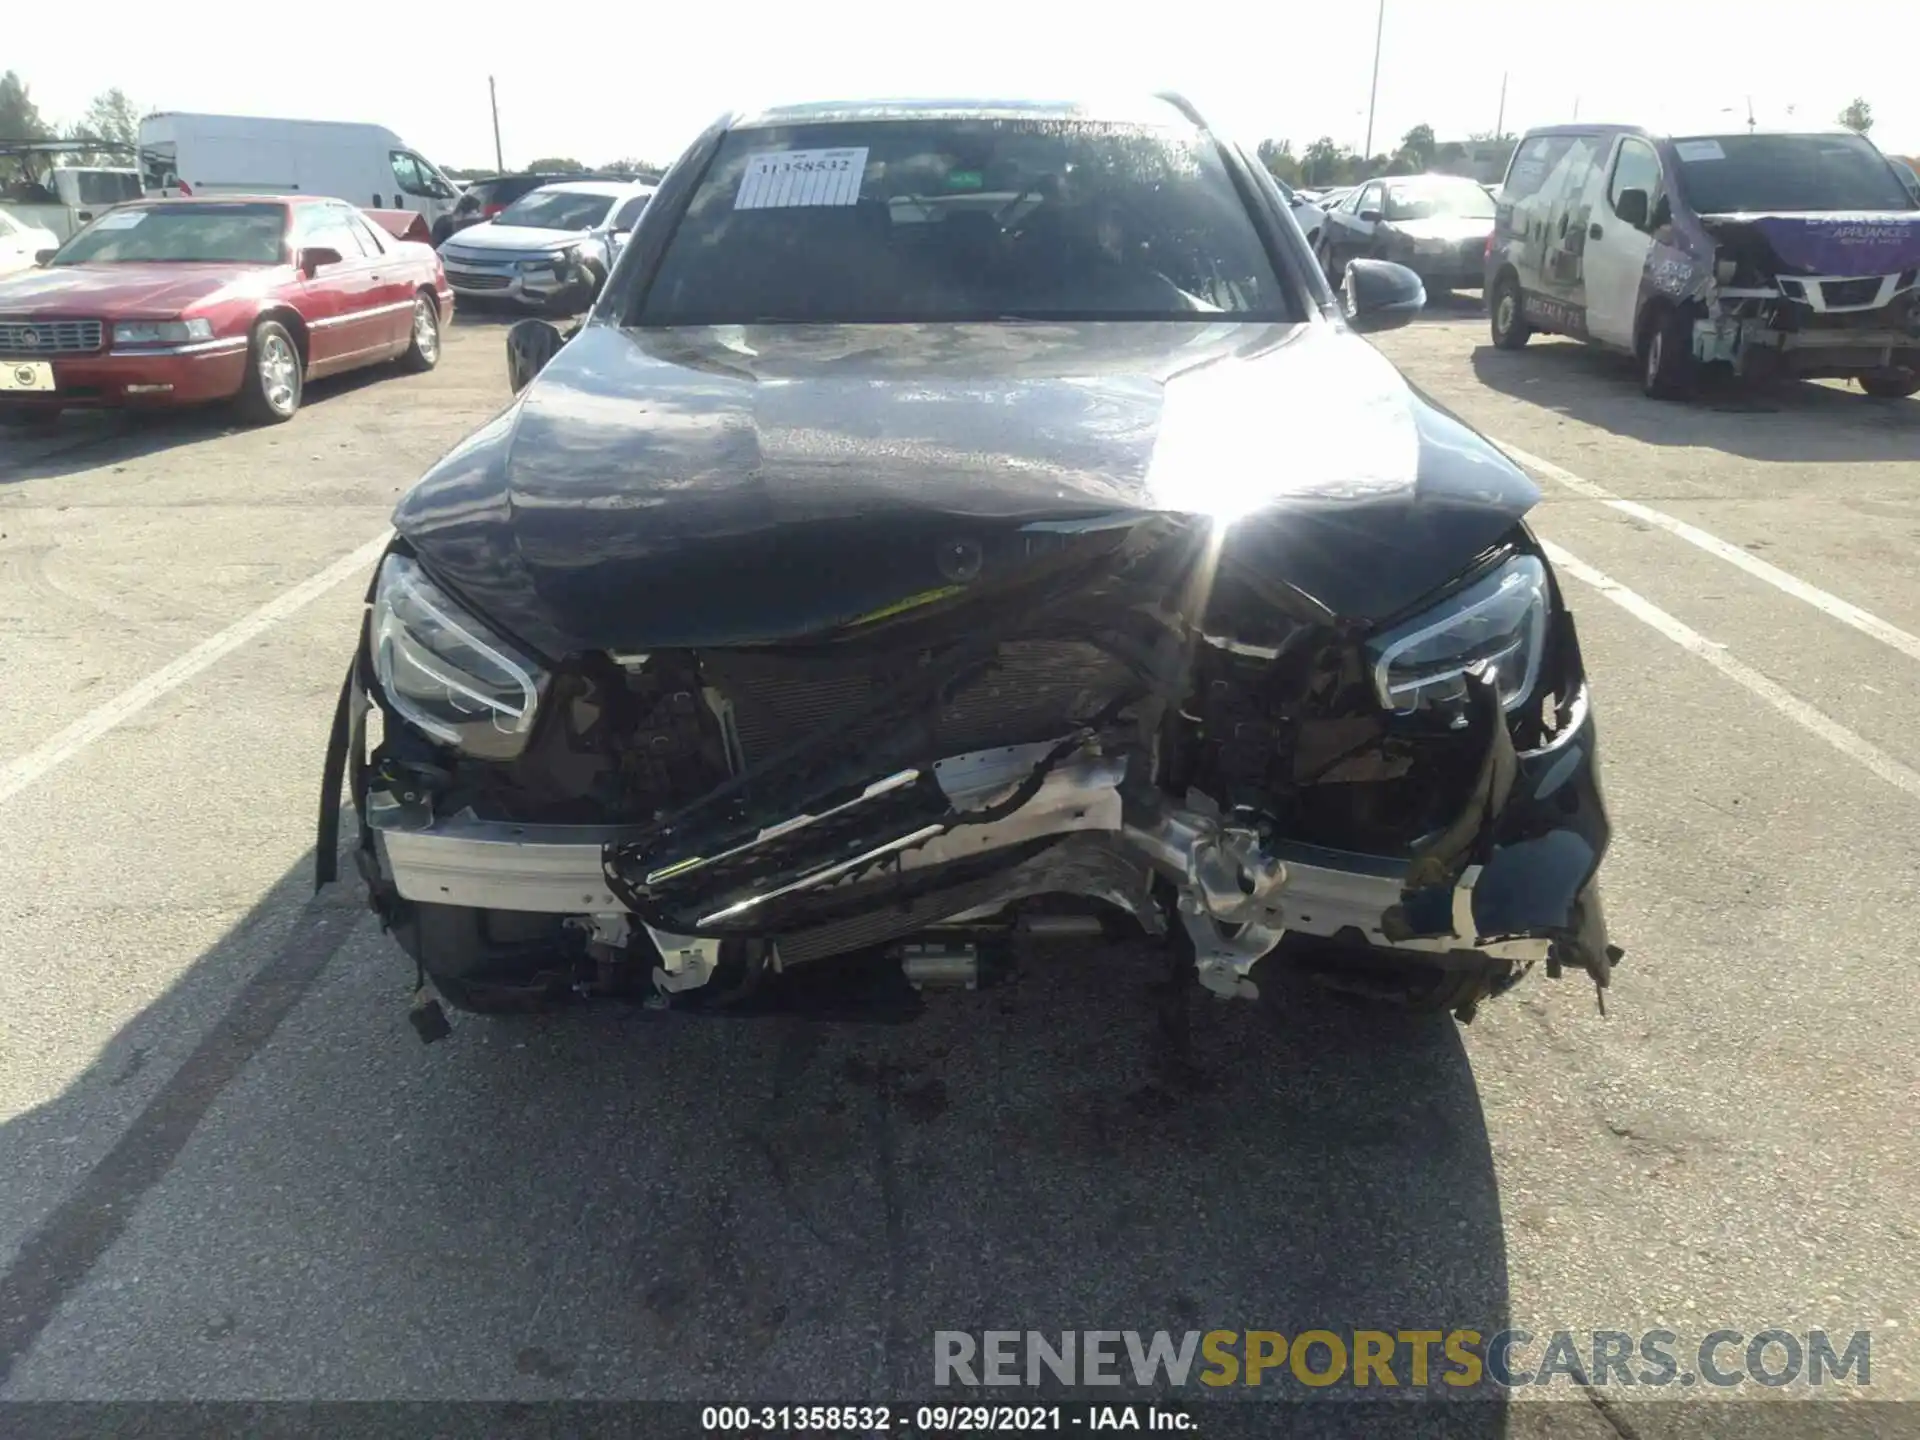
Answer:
(229, 1171)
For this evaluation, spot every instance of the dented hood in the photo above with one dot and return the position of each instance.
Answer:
(730, 485)
(1871, 243)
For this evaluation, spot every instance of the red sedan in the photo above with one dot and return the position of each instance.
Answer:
(175, 302)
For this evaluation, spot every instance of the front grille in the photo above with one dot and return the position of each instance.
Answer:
(1036, 690)
(49, 337)
(1850, 292)
(465, 280)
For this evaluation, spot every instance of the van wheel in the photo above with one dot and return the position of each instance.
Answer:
(423, 343)
(1893, 385)
(1666, 361)
(270, 390)
(1510, 329)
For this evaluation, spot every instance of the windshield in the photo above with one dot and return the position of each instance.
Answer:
(964, 219)
(1728, 174)
(557, 210)
(222, 234)
(1427, 199)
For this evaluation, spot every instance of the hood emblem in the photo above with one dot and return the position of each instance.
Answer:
(959, 559)
(30, 339)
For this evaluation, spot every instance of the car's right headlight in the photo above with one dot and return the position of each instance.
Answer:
(1495, 629)
(446, 671)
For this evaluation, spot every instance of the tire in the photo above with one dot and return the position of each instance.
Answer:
(271, 389)
(1504, 317)
(423, 339)
(1667, 371)
(1896, 385)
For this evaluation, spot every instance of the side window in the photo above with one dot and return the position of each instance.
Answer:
(1636, 167)
(406, 173)
(1368, 198)
(369, 238)
(323, 226)
(628, 215)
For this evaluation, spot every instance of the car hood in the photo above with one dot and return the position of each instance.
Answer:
(119, 290)
(493, 236)
(1443, 227)
(1873, 243)
(750, 485)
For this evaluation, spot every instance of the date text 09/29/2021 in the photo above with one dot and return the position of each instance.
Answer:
(942, 1419)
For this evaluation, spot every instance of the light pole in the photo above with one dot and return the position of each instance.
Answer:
(1373, 90)
(493, 99)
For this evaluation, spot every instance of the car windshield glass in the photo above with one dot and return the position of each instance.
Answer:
(1727, 174)
(224, 234)
(557, 210)
(965, 219)
(1428, 199)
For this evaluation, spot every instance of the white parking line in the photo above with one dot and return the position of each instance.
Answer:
(17, 775)
(1900, 776)
(1848, 614)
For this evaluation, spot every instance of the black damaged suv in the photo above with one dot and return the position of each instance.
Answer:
(896, 569)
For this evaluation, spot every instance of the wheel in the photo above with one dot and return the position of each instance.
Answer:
(423, 344)
(270, 390)
(1666, 361)
(1510, 329)
(1893, 385)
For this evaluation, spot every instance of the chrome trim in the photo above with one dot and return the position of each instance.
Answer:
(324, 322)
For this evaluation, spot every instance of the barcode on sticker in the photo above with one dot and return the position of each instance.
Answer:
(782, 178)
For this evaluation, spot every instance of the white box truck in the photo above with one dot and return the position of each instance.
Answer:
(365, 165)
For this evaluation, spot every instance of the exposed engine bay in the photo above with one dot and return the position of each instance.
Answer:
(1074, 758)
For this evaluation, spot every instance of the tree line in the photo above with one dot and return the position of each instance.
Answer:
(1325, 162)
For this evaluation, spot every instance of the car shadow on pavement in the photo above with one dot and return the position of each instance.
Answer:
(1447, 306)
(1789, 421)
(304, 1202)
(83, 439)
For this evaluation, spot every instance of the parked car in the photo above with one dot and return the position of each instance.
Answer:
(551, 248)
(20, 244)
(174, 302)
(1311, 216)
(1768, 253)
(1436, 225)
(369, 165)
(893, 564)
(50, 192)
(485, 199)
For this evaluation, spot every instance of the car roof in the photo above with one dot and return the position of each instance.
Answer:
(1166, 110)
(225, 199)
(1730, 132)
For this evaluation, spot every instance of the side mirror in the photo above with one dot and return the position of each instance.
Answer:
(43, 258)
(1632, 208)
(315, 256)
(1379, 295)
(1372, 217)
(530, 345)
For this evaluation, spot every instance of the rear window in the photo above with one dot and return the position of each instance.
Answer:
(1726, 174)
(239, 234)
(965, 219)
(107, 187)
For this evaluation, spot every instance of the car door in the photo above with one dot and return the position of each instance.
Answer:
(340, 301)
(1348, 233)
(395, 278)
(1615, 258)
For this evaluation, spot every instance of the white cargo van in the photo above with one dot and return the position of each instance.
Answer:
(365, 165)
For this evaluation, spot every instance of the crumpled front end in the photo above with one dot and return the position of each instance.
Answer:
(1810, 296)
(1157, 739)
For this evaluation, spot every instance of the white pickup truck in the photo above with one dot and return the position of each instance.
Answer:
(63, 198)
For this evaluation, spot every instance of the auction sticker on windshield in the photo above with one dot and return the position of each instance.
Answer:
(120, 220)
(26, 375)
(1699, 150)
(778, 179)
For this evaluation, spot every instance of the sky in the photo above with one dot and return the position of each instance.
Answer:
(605, 82)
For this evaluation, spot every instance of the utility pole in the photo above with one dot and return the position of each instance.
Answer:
(1379, 25)
(493, 99)
(1749, 114)
(1500, 123)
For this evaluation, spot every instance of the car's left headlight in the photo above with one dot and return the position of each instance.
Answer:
(446, 671)
(161, 332)
(1495, 628)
